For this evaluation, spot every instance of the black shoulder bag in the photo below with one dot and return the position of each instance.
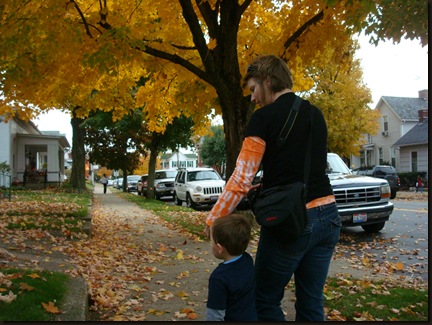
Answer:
(282, 209)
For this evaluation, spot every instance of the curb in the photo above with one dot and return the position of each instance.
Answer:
(76, 304)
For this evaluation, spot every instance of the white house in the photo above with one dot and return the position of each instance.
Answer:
(398, 116)
(35, 157)
(176, 160)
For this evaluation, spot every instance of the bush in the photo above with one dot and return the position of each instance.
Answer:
(408, 180)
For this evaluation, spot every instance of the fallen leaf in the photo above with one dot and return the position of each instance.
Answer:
(25, 286)
(8, 298)
(51, 308)
(180, 255)
(33, 275)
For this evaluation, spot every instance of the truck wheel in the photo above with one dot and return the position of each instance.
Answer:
(393, 194)
(177, 201)
(373, 227)
(189, 202)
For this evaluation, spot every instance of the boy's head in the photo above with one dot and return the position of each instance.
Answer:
(232, 233)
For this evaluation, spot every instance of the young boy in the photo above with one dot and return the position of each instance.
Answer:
(231, 295)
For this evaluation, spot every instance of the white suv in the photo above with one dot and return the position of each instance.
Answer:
(197, 186)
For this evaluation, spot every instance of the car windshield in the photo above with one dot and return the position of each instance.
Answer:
(335, 165)
(133, 178)
(166, 174)
(387, 169)
(202, 175)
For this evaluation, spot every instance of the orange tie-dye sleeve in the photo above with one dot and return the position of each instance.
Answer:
(247, 165)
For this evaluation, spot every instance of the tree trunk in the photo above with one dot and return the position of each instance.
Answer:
(78, 155)
(236, 111)
(125, 175)
(151, 172)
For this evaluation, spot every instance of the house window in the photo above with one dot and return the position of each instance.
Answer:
(190, 163)
(174, 164)
(393, 157)
(380, 154)
(183, 164)
(414, 161)
(385, 123)
(369, 138)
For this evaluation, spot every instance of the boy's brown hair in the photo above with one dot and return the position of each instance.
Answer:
(232, 232)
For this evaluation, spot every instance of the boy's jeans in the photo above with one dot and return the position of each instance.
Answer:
(308, 258)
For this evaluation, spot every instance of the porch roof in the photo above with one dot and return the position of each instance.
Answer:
(61, 138)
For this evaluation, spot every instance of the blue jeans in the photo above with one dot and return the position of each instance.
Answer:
(308, 258)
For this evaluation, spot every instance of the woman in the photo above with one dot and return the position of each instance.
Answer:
(307, 258)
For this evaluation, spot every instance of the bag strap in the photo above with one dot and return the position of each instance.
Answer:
(290, 122)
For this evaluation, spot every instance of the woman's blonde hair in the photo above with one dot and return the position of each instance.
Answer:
(273, 68)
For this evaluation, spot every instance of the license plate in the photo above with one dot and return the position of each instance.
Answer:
(360, 217)
(214, 198)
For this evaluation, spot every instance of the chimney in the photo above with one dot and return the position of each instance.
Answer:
(424, 94)
(423, 115)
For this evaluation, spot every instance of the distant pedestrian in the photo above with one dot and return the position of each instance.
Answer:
(231, 291)
(419, 184)
(104, 182)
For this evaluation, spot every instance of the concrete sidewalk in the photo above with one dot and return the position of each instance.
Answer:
(180, 283)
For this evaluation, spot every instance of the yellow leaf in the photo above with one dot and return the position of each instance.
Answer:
(51, 308)
(182, 294)
(25, 286)
(180, 255)
(212, 43)
(33, 276)
(399, 266)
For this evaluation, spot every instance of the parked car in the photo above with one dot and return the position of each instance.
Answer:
(197, 186)
(164, 183)
(361, 200)
(132, 181)
(118, 183)
(382, 171)
(111, 182)
(142, 185)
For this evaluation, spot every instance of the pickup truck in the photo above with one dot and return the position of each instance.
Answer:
(361, 200)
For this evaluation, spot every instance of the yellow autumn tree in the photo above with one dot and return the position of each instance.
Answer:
(193, 52)
(343, 98)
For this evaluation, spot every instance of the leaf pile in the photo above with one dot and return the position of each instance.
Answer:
(40, 216)
(376, 301)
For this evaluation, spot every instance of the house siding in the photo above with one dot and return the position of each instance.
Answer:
(406, 161)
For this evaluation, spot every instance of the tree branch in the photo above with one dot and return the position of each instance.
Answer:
(174, 58)
(315, 19)
(210, 16)
(86, 25)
